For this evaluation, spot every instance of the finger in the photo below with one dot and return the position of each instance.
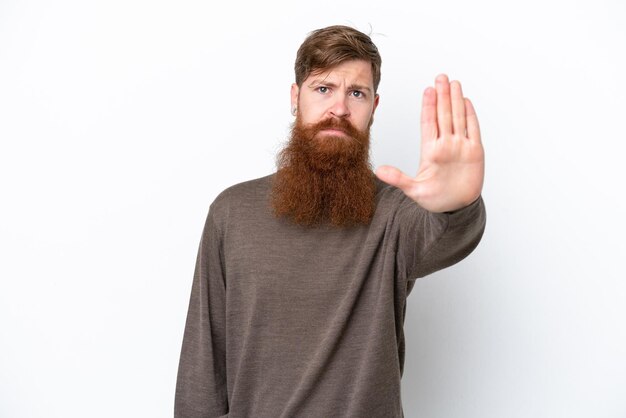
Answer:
(473, 129)
(458, 108)
(395, 177)
(444, 111)
(429, 114)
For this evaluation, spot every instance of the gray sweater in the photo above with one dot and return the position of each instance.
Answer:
(289, 321)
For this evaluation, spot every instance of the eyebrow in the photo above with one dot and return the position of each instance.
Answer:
(333, 85)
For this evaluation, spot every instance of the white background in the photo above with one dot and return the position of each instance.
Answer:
(120, 122)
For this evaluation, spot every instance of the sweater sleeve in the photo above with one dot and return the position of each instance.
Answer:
(434, 241)
(201, 389)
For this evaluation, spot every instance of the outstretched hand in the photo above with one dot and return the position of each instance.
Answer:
(452, 161)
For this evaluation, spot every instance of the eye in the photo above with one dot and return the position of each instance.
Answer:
(322, 89)
(358, 94)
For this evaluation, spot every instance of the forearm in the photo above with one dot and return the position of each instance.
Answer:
(463, 231)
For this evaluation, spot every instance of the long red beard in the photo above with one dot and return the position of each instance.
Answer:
(325, 179)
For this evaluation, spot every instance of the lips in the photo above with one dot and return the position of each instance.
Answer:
(334, 131)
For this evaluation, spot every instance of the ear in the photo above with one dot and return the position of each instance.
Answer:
(375, 104)
(376, 98)
(295, 91)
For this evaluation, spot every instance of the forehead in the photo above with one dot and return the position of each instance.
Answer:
(353, 71)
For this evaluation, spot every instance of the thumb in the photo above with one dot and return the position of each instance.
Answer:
(394, 177)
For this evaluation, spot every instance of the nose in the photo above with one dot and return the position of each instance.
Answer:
(340, 108)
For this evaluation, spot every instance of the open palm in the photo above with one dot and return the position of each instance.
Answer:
(452, 161)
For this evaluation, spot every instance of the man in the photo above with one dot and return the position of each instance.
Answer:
(299, 293)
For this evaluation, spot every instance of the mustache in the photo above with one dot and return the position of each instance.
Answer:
(335, 123)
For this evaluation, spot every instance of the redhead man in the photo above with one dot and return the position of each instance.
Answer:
(299, 293)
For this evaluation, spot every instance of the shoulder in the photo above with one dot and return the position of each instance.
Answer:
(246, 193)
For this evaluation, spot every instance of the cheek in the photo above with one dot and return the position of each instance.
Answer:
(365, 121)
(311, 114)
